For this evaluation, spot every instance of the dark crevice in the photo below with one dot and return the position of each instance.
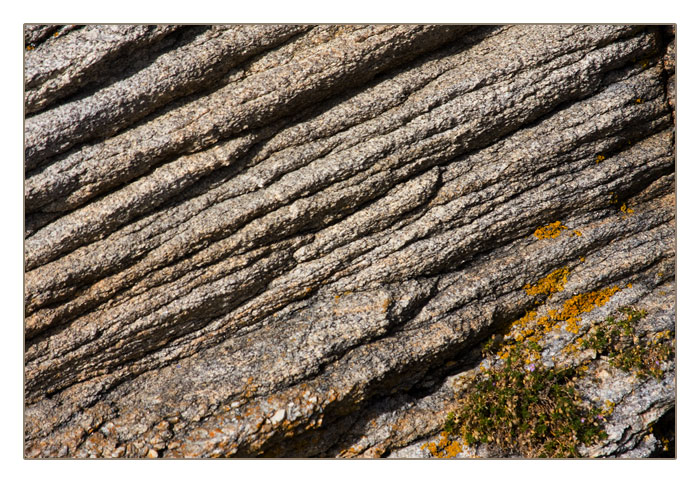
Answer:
(312, 226)
(118, 65)
(166, 102)
(226, 173)
(306, 98)
(38, 36)
(665, 432)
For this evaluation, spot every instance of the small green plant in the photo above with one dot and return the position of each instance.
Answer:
(525, 408)
(613, 334)
(450, 423)
(616, 338)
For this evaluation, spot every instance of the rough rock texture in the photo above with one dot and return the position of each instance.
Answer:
(291, 240)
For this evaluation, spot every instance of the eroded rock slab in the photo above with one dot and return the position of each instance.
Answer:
(293, 240)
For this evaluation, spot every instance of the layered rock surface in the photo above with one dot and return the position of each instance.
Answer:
(292, 240)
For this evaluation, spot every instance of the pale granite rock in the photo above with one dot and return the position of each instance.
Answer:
(287, 240)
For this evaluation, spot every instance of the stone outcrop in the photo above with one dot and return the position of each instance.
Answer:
(291, 241)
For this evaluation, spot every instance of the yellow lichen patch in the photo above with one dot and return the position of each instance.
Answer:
(579, 304)
(552, 230)
(625, 209)
(569, 315)
(444, 448)
(452, 449)
(552, 283)
(526, 332)
(572, 325)
(599, 158)
(638, 100)
(583, 259)
(523, 321)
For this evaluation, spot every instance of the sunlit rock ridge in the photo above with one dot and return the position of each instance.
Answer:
(294, 240)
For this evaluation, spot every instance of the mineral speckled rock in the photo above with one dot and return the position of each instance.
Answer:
(291, 241)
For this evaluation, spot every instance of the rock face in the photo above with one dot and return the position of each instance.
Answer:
(288, 240)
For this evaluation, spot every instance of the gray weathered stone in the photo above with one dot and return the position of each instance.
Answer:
(291, 240)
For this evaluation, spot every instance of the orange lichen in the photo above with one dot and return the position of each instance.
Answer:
(444, 447)
(579, 304)
(524, 329)
(526, 319)
(530, 328)
(625, 209)
(552, 230)
(638, 100)
(599, 158)
(552, 283)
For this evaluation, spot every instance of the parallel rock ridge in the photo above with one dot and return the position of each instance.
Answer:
(292, 240)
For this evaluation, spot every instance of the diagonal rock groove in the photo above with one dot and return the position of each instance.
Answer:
(113, 47)
(292, 240)
(122, 102)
